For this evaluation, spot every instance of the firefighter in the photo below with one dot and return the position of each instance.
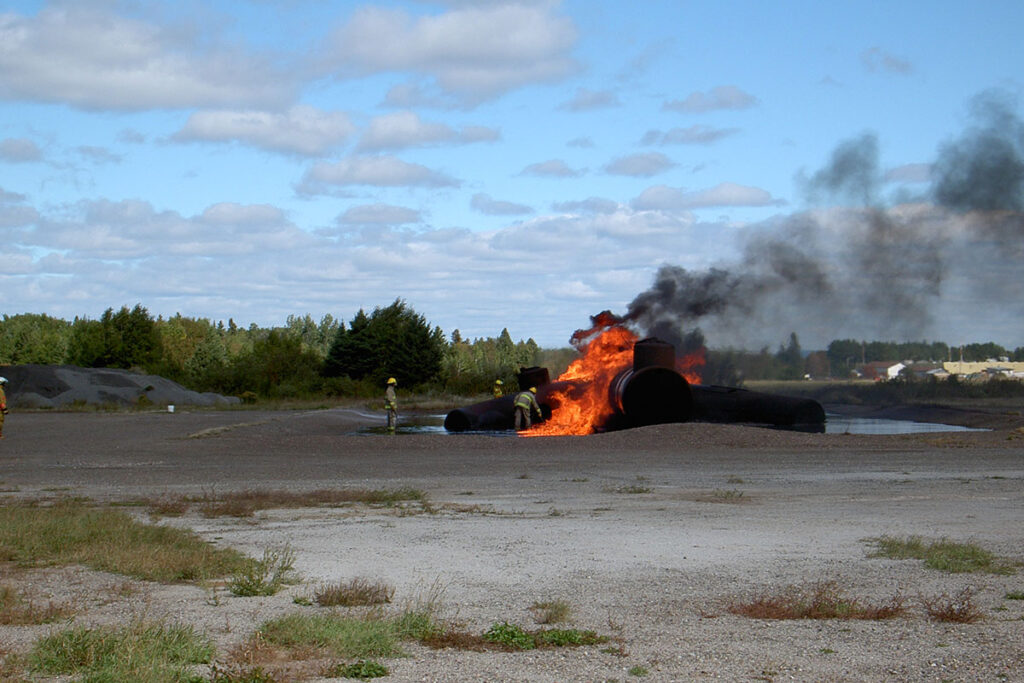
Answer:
(499, 390)
(3, 405)
(526, 405)
(391, 404)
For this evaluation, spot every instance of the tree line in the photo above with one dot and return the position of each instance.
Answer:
(303, 358)
(306, 357)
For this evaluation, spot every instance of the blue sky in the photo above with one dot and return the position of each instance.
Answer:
(495, 164)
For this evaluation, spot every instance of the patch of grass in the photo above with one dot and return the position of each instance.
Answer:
(364, 669)
(958, 609)
(550, 611)
(354, 593)
(248, 502)
(337, 635)
(824, 600)
(342, 636)
(73, 532)
(638, 670)
(943, 555)
(138, 653)
(265, 576)
(1015, 595)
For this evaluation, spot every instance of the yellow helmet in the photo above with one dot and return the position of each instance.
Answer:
(392, 380)
(498, 381)
(533, 389)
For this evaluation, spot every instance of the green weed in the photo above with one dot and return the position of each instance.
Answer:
(265, 576)
(511, 636)
(514, 637)
(363, 670)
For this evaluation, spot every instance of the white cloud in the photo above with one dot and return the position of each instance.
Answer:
(19, 150)
(85, 57)
(663, 198)
(589, 205)
(380, 214)
(473, 53)
(406, 129)
(99, 155)
(720, 97)
(555, 168)
(13, 213)
(486, 204)
(641, 165)
(301, 130)
(169, 262)
(693, 135)
(134, 231)
(586, 100)
(379, 171)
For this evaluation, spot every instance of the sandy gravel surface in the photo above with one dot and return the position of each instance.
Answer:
(649, 534)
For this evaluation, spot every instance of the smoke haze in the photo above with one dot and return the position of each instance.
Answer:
(858, 268)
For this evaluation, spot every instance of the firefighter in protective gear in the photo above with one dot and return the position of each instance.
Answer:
(391, 404)
(499, 390)
(3, 405)
(526, 405)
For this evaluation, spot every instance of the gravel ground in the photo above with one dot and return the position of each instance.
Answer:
(648, 534)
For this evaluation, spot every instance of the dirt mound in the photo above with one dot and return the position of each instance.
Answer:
(53, 386)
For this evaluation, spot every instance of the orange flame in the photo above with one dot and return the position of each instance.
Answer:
(582, 406)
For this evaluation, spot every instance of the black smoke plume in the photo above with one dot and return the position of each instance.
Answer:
(858, 268)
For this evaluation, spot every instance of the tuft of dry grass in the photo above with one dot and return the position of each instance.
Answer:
(823, 600)
(959, 608)
(354, 593)
(550, 611)
(19, 610)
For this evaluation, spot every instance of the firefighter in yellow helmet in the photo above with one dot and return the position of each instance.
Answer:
(499, 390)
(3, 405)
(526, 405)
(391, 404)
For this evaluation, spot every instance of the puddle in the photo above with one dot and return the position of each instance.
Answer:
(839, 424)
(835, 424)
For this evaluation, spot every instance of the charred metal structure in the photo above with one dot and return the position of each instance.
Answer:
(650, 392)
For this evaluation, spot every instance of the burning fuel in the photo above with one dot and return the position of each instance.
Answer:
(620, 382)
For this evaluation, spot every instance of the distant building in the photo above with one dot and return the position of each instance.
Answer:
(989, 368)
(881, 370)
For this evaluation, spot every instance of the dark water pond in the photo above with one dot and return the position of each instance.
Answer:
(835, 424)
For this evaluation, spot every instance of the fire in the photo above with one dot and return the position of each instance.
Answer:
(689, 366)
(581, 406)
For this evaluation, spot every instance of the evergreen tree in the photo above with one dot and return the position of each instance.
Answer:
(391, 342)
